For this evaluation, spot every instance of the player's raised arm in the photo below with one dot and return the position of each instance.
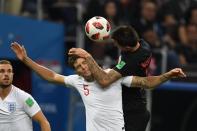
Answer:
(151, 82)
(102, 77)
(44, 72)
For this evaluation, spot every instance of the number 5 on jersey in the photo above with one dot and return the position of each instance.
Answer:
(86, 90)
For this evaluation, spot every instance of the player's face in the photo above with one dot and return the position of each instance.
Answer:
(6, 75)
(81, 68)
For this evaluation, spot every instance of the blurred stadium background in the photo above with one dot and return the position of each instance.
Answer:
(49, 28)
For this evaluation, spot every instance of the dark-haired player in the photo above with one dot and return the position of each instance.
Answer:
(134, 60)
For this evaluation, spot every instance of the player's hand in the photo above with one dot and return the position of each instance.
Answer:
(177, 72)
(19, 51)
(78, 52)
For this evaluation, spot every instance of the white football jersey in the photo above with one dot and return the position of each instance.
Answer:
(16, 111)
(103, 106)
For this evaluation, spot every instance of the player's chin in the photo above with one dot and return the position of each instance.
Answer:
(4, 85)
(87, 74)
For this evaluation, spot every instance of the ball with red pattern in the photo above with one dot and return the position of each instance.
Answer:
(98, 29)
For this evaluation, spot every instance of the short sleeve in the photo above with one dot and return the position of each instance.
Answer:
(69, 80)
(127, 81)
(122, 66)
(31, 107)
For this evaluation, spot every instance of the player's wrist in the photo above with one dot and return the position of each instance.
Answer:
(168, 75)
(87, 56)
(25, 59)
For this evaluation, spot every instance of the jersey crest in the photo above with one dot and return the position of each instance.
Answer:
(11, 106)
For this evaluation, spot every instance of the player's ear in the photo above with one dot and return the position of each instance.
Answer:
(127, 48)
(12, 74)
(112, 40)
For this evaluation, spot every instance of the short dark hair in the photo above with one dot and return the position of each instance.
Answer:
(125, 36)
(5, 62)
(71, 60)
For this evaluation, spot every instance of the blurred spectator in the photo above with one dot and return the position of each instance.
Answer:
(170, 38)
(66, 14)
(191, 15)
(152, 38)
(147, 17)
(13, 7)
(188, 52)
(29, 8)
(177, 7)
(190, 18)
(169, 30)
(93, 8)
(128, 10)
(157, 45)
(111, 13)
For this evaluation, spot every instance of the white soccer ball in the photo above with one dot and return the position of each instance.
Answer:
(98, 29)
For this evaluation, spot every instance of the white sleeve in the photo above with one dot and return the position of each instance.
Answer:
(31, 107)
(127, 81)
(69, 80)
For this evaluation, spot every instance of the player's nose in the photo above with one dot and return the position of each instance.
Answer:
(84, 67)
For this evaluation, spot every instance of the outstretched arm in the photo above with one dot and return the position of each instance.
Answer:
(44, 72)
(102, 77)
(151, 82)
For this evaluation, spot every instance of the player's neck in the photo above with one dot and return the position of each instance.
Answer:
(5, 91)
(89, 79)
(136, 47)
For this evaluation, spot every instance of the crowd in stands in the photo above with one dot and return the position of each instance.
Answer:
(164, 24)
(169, 25)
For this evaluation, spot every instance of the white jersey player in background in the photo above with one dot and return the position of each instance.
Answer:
(17, 108)
(103, 105)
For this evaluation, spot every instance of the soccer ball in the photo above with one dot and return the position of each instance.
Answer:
(98, 29)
